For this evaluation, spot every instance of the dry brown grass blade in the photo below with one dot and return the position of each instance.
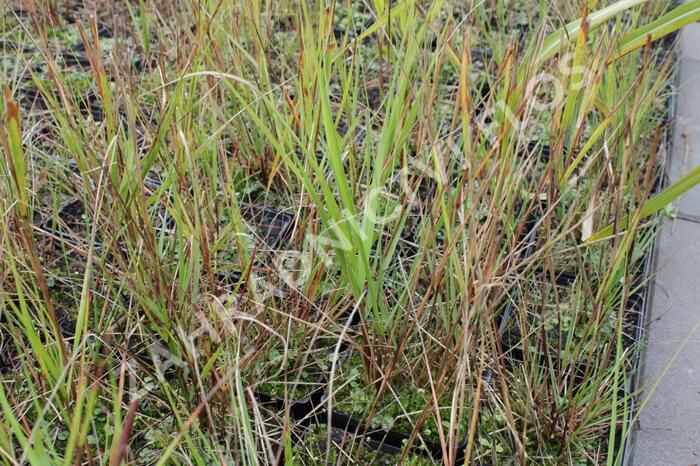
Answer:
(121, 450)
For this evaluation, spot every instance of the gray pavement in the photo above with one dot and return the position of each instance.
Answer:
(668, 431)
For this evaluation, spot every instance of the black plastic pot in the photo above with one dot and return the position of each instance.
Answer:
(303, 410)
(512, 345)
(512, 350)
(389, 441)
(312, 410)
(8, 352)
(271, 226)
(68, 227)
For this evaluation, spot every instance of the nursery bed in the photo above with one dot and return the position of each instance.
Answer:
(297, 232)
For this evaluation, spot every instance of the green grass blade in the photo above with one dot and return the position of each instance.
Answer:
(564, 35)
(656, 203)
(680, 17)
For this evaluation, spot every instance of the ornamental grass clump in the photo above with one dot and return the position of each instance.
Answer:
(213, 210)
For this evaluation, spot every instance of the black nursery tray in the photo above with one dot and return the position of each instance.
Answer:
(637, 302)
